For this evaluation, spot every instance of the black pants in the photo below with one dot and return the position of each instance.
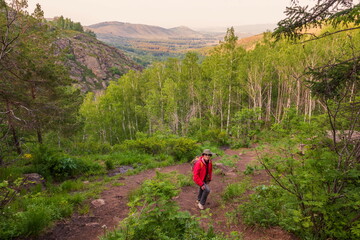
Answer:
(203, 194)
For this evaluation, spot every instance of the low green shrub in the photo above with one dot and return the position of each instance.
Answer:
(9, 191)
(229, 161)
(182, 148)
(185, 180)
(71, 185)
(215, 136)
(30, 216)
(249, 170)
(33, 220)
(109, 164)
(11, 172)
(88, 147)
(150, 145)
(269, 206)
(31, 213)
(52, 164)
(246, 125)
(240, 143)
(234, 191)
(126, 157)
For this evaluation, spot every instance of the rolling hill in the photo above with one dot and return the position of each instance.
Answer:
(146, 43)
(142, 31)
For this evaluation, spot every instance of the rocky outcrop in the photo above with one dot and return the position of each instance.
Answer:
(92, 63)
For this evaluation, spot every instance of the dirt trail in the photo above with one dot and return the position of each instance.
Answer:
(90, 226)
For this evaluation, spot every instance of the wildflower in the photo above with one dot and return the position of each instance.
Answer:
(27, 155)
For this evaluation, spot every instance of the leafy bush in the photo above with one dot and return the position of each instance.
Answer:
(268, 206)
(29, 216)
(53, 164)
(133, 158)
(35, 219)
(109, 164)
(71, 185)
(10, 172)
(185, 180)
(150, 145)
(316, 194)
(8, 193)
(179, 148)
(216, 136)
(246, 124)
(294, 125)
(249, 170)
(235, 190)
(183, 148)
(115, 71)
(89, 147)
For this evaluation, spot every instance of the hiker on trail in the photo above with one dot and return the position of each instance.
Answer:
(202, 176)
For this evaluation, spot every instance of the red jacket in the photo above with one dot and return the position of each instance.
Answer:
(200, 172)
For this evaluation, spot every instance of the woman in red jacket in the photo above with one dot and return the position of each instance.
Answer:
(202, 176)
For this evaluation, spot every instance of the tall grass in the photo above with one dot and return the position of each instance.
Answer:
(234, 191)
(33, 211)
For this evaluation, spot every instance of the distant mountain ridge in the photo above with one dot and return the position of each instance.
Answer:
(142, 31)
(146, 43)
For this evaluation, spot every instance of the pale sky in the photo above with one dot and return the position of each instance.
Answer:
(167, 13)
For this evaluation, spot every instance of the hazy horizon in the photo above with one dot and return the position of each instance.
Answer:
(245, 28)
(168, 13)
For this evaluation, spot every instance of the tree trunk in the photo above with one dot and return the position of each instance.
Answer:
(298, 87)
(311, 105)
(268, 107)
(221, 112)
(39, 135)
(12, 129)
(278, 103)
(229, 111)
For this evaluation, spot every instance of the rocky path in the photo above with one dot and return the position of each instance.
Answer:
(92, 225)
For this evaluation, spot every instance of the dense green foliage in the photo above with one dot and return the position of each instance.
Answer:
(143, 57)
(178, 148)
(52, 164)
(36, 95)
(35, 208)
(232, 91)
(68, 24)
(310, 196)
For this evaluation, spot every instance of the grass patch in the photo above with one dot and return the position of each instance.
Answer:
(36, 209)
(234, 191)
(229, 161)
(117, 184)
(185, 180)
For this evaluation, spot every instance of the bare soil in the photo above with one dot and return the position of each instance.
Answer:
(92, 225)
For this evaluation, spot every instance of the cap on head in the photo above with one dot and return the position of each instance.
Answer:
(207, 151)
